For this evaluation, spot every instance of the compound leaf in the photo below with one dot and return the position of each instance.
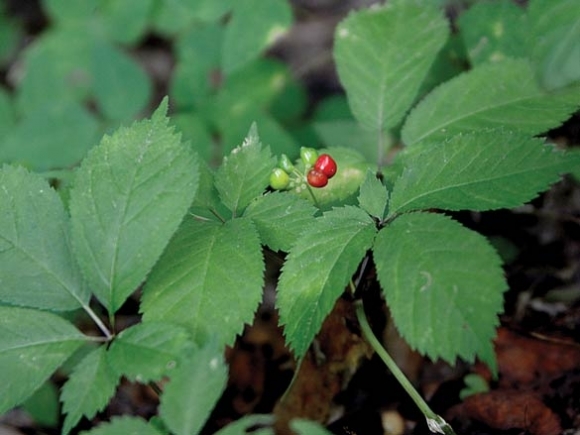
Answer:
(33, 344)
(485, 170)
(317, 270)
(148, 351)
(128, 198)
(88, 389)
(37, 268)
(209, 279)
(492, 95)
(245, 173)
(382, 78)
(279, 218)
(443, 284)
(193, 390)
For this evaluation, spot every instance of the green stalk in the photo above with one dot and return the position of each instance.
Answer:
(435, 423)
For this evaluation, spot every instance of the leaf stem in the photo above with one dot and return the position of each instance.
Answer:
(435, 423)
(98, 322)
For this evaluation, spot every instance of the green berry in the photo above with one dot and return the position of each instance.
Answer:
(285, 163)
(308, 156)
(279, 179)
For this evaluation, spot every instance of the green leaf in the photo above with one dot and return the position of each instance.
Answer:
(66, 14)
(129, 197)
(148, 351)
(373, 196)
(37, 268)
(88, 389)
(121, 87)
(193, 390)
(280, 217)
(245, 173)
(246, 422)
(125, 21)
(248, 32)
(555, 43)
(494, 31)
(347, 133)
(574, 157)
(57, 69)
(485, 170)
(503, 94)
(209, 279)
(198, 60)
(43, 405)
(196, 132)
(52, 135)
(33, 344)
(381, 77)
(443, 284)
(317, 270)
(124, 426)
(7, 115)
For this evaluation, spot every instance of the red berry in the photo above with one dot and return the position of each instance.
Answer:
(326, 165)
(316, 178)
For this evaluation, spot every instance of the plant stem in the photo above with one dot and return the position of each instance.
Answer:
(436, 423)
(98, 322)
(312, 195)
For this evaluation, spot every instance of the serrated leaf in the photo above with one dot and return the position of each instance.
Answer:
(209, 279)
(124, 426)
(494, 31)
(280, 217)
(245, 173)
(317, 270)
(248, 32)
(148, 351)
(193, 390)
(88, 389)
(478, 171)
(382, 78)
(37, 268)
(33, 344)
(555, 41)
(493, 95)
(373, 196)
(129, 197)
(443, 284)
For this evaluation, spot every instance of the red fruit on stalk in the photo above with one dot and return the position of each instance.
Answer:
(316, 178)
(326, 165)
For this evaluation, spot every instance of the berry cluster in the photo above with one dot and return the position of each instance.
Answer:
(319, 169)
